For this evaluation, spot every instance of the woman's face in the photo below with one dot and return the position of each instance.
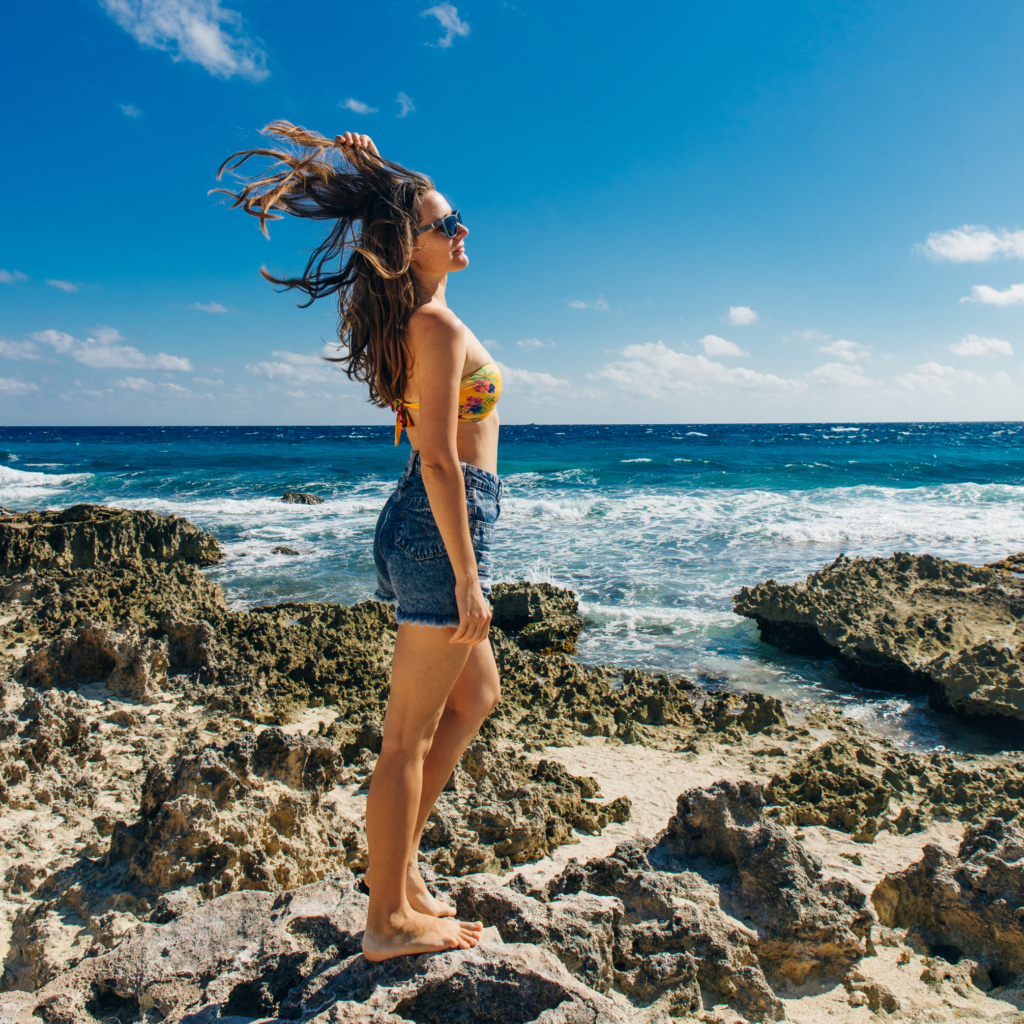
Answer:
(435, 253)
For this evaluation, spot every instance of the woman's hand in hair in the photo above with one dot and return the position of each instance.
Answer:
(356, 141)
(474, 614)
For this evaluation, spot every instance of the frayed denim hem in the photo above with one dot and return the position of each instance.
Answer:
(439, 621)
(378, 596)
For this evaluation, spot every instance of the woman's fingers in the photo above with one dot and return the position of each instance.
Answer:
(356, 141)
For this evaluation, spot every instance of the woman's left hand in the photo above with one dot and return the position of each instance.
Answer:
(356, 141)
(474, 614)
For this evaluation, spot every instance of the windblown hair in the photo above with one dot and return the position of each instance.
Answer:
(366, 256)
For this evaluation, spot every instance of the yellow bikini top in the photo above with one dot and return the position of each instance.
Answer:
(479, 392)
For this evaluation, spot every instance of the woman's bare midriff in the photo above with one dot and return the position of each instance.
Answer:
(477, 442)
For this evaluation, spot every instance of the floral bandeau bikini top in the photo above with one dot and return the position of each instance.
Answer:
(479, 392)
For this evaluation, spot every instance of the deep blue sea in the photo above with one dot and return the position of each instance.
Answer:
(655, 527)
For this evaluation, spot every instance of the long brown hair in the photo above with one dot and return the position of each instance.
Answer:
(367, 254)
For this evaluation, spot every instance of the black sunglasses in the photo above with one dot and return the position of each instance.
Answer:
(450, 223)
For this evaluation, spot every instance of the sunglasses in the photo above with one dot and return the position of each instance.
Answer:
(450, 223)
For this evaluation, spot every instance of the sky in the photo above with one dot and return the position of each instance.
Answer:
(678, 212)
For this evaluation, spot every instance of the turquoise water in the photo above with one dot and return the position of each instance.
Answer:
(654, 527)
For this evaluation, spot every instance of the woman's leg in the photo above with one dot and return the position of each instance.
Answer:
(473, 697)
(423, 674)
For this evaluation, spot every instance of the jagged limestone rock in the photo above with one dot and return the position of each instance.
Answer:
(88, 536)
(968, 905)
(909, 622)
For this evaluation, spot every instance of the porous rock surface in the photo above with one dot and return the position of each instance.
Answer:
(908, 622)
(299, 498)
(967, 905)
(86, 536)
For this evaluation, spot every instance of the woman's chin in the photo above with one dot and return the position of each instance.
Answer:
(460, 261)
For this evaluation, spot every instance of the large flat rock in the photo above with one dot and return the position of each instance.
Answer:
(91, 536)
(909, 622)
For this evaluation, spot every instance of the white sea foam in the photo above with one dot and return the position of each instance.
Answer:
(19, 483)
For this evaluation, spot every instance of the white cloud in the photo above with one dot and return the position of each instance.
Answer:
(973, 243)
(209, 383)
(534, 343)
(135, 384)
(848, 351)
(936, 378)
(130, 110)
(296, 367)
(677, 371)
(448, 15)
(490, 343)
(64, 286)
(1012, 296)
(840, 375)
(174, 389)
(716, 346)
(358, 106)
(103, 351)
(200, 31)
(10, 276)
(530, 380)
(15, 387)
(741, 316)
(209, 307)
(18, 350)
(600, 305)
(973, 345)
(406, 104)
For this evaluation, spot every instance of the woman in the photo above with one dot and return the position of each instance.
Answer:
(393, 242)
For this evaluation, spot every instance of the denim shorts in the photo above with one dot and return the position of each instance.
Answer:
(413, 568)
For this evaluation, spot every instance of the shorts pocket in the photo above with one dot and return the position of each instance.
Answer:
(417, 535)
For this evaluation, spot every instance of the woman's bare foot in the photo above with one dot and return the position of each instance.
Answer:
(409, 934)
(418, 895)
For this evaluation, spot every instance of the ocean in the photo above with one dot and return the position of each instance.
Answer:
(654, 527)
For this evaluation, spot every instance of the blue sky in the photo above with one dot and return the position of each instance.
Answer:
(678, 212)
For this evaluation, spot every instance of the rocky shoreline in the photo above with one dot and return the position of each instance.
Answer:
(181, 791)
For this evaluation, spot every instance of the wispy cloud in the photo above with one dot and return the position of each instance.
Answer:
(716, 346)
(677, 371)
(406, 104)
(64, 286)
(208, 382)
(935, 378)
(741, 316)
(1012, 296)
(972, 243)
(130, 110)
(16, 387)
(135, 384)
(358, 106)
(848, 351)
(840, 375)
(200, 31)
(448, 15)
(106, 351)
(296, 367)
(600, 305)
(10, 276)
(18, 350)
(528, 380)
(811, 334)
(974, 345)
(209, 307)
(534, 343)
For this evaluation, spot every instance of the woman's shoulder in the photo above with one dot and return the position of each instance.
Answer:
(435, 324)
